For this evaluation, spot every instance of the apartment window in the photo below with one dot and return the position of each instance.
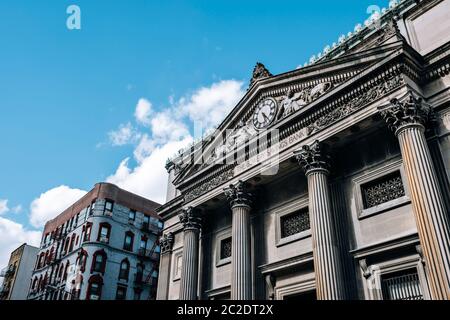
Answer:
(104, 232)
(146, 220)
(121, 293)
(99, 261)
(109, 205)
(72, 242)
(132, 215)
(94, 290)
(143, 244)
(403, 285)
(225, 248)
(382, 190)
(139, 273)
(128, 241)
(124, 270)
(87, 232)
(82, 258)
(294, 223)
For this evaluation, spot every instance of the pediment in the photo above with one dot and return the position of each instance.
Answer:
(289, 93)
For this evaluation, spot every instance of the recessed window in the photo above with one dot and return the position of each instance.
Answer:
(225, 248)
(109, 205)
(404, 285)
(132, 215)
(104, 232)
(121, 293)
(381, 190)
(128, 241)
(124, 270)
(99, 261)
(294, 223)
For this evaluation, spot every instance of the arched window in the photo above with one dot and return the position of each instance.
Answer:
(94, 290)
(104, 232)
(34, 284)
(128, 241)
(99, 261)
(81, 260)
(59, 275)
(139, 273)
(72, 242)
(66, 271)
(124, 270)
(87, 233)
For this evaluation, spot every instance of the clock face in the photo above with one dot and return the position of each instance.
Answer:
(265, 113)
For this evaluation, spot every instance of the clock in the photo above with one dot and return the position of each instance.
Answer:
(264, 113)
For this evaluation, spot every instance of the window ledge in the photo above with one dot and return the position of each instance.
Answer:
(223, 262)
(295, 237)
(390, 205)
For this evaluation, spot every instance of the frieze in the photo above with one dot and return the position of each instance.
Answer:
(356, 103)
(209, 185)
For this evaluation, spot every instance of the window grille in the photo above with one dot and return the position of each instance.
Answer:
(402, 286)
(382, 190)
(225, 248)
(294, 223)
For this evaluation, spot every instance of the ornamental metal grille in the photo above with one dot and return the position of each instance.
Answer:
(294, 223)
(225, 248)
(382, 190)
(402, 286)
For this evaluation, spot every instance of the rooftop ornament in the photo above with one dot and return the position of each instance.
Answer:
(377, 15)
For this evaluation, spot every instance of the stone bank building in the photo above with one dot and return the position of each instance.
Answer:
(358, 204)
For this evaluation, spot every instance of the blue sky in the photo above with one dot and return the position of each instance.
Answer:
(63, 93)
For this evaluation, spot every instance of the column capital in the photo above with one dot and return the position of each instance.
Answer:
(190, 218)
(166, 242)
(238, 194)
(408, 110)
(313, 157)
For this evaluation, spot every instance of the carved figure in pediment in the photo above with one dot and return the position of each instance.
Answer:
(292, 102)
(319, 90)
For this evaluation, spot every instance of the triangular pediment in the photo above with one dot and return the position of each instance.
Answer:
(282, 96)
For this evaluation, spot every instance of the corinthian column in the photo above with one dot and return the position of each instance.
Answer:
(166, 244)
(241, 272)
(327, 266)
(189, 272)
(407, 116)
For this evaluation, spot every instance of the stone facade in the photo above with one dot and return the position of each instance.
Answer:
(102, 248)
(348, 198)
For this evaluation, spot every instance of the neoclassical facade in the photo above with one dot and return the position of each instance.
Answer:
(330, 181)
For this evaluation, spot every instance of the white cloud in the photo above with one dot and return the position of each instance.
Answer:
(12, 235)
(210, 105)
(166, 127)
(143, 111)
(3, 206)
(169, 132)
(123, 135)
(51, 203)
(149, 178)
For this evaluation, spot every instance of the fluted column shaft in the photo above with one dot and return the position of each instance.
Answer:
(189, 269)
(189, 272)
(241, 275)
(241, 270)
(408, 116)
(166, 243)
(428, 205)
(327, 266)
